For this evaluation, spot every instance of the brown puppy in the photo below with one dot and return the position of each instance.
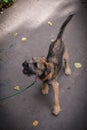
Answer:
(47, 69)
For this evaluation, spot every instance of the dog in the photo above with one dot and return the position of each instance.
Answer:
(47, 69)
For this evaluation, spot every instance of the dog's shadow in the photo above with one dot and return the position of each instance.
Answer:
(43, 100)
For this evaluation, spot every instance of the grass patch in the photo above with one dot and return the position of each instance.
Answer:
(5, 4)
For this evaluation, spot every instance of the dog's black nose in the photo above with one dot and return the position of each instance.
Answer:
(30, 65)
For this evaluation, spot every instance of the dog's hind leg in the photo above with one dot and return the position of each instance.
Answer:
(45, 89)
(66, 61)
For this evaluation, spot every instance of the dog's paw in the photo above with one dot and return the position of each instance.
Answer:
(45, 91)
(68, 71)
(56, 110)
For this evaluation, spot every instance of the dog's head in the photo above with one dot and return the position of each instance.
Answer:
(34, 67)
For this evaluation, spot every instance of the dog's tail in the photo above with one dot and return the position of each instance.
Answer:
(63, 27)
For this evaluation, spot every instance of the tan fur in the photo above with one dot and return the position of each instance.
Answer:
(49, 76)
(45, 89)
(56, 104)
(66, 60)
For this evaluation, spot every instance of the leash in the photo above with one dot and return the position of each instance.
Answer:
(17, 93)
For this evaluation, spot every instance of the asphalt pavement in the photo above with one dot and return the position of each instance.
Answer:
(24, 33)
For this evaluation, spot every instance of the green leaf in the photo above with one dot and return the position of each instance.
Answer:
(6, 1)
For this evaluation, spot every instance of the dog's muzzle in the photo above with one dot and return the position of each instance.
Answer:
(27, 68)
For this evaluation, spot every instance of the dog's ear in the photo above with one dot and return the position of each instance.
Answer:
(38, 59)
(43, 59)
(48, 68)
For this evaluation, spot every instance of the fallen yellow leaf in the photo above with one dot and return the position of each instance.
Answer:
(50, 23)
(35, 123)
(52, 40)
(77, 65)
(17, 88)
(24, 39)
(15, 34)
(1, 12)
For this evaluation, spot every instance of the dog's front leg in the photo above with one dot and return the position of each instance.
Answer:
(45, 89)
(56, 105)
